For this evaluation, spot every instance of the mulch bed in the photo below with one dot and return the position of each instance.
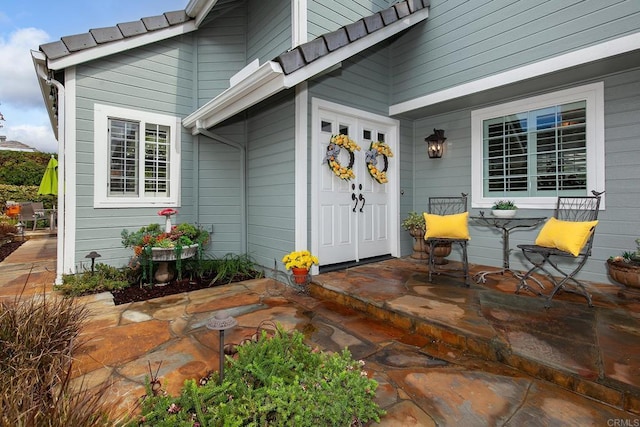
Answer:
(136, 292)
(8, 248)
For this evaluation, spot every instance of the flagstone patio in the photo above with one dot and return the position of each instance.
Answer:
(442, 354)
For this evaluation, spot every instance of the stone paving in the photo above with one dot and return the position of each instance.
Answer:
(443, 355)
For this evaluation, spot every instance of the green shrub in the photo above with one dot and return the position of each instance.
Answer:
(104, 278)
(276, 381)
(37, 340)
(22, 167)
(24, 193)
(234, 267)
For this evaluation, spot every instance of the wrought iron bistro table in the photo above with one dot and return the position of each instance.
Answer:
(506, 225)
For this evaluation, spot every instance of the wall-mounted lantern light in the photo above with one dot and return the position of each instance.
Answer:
(435, 144)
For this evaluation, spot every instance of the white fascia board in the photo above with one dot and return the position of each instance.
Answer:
(112, 48)
(320, 65)
(40, 60)
(572, 59)
(204, 11)
(267, 80)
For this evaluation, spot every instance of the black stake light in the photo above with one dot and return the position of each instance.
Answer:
(221, 322)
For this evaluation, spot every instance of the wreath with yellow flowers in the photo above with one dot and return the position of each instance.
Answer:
(336, 143)
(376, 149)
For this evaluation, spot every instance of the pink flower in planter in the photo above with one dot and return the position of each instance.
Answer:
(167, 212)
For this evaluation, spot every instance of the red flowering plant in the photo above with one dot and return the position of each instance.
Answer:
(155, 236)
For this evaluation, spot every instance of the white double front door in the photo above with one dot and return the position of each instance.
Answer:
(355, 218)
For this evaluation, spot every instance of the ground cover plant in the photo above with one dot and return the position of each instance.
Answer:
(276, 380)
(37, 339)
(127, 284)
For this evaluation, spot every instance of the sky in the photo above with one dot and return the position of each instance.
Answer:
(24, 26)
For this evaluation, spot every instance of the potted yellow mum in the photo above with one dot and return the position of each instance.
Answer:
(299, 262)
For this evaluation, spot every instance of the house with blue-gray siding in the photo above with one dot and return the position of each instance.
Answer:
(239, 100)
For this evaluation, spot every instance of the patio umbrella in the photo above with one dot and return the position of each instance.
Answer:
(49, 183)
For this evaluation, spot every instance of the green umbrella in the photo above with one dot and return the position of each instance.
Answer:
(49, 183)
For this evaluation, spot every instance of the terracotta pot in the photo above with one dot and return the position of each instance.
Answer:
(418, 244)
(624, 273)
(300, 275)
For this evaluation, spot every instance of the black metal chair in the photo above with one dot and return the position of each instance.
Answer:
(547, 259)
(448, 206)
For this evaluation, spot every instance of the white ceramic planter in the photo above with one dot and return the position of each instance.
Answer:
(169, 254)
(503, 213)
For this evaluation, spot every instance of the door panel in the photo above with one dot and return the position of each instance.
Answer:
(353, 220)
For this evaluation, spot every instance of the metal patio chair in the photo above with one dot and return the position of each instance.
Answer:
(448, 206)
(547, 259)
(28, 213)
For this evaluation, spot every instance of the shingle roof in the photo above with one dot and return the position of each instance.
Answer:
(71, 44)
(304, 54)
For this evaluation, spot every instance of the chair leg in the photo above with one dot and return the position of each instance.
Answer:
(465, 264)
(431, 259)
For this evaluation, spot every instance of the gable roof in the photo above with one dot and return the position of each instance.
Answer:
(259, 82)
(252, 84)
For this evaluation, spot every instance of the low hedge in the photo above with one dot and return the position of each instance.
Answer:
(24, 193)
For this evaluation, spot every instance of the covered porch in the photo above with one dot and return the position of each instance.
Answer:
(594, 351)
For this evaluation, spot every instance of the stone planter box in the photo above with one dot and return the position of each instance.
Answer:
(624, 273)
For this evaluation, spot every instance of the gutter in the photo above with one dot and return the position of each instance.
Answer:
(243, 180)
(60, 240)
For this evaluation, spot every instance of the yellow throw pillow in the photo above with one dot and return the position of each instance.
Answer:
(568, 236)
(447, 226)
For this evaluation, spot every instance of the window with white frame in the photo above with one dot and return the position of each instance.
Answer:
(137, 158)
(536, 149)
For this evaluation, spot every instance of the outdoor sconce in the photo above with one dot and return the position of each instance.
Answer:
(93, 255)
(221, 322)
(435, 144)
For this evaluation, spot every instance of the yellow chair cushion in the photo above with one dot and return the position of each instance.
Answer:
(568, 236)
(447, 226)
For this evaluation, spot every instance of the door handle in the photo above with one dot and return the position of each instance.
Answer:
(353, 197)
(363, 202)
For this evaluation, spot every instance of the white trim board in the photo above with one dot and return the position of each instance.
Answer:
(578, 57)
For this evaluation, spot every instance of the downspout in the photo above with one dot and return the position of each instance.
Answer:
(243, 181)
(61, 168)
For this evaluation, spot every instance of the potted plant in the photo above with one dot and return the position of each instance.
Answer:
(415, 224)
(171, 243)
(504, 209)
(299, 262)
(625, 268)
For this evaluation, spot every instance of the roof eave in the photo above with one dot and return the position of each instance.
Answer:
(40, 61)
(336, 57)
(120, 46)
(269, 79)
(266, 81)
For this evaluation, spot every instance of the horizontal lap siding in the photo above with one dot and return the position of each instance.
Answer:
(324, 16)
(219, 200)
(408, 151)
(268, 29)
(619, 224)
(462, 41)
(221, 53)
(271, 179)
(362, 82)
(156, 78)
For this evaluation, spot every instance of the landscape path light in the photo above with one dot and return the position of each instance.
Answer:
(221, 322)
